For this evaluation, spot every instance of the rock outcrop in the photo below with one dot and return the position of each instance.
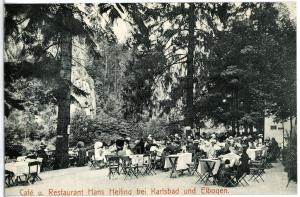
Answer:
(83, 89)
(86, 100)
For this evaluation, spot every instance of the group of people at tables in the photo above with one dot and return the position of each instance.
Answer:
(232, 151)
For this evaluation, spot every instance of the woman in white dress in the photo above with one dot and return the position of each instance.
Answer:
(98, 151)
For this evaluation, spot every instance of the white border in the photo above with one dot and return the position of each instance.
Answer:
(114, 1)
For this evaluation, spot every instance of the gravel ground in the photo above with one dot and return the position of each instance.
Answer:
(83, 181)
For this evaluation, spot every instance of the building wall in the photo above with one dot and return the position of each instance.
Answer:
(277, 130)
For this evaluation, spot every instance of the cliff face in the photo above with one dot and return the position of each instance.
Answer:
(87, 102)
(82, 82)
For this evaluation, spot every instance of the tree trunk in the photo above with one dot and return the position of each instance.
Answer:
(190, 67)
(237, 128)
(106, 68)
(232, 128)
(291, 131)
(251, 129)
(63, 119)
(116, 80)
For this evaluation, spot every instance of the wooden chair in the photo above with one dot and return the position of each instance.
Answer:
(257, 170)
(9, 178)
(153, 164)
(232, 179)
(113, 165)
(147, 165)
(49, 165)
(241, 180)
(205, 177)
(192, 167)
(128, 168)
(33, 175)
(94, 164)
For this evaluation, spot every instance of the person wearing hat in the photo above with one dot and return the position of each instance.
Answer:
(213, 136)
(212, 151)
(126, 149)
(245, 141)
(81, 158)
(273, 149)
(137, 147)
(171, 148)
(112, 147)
(148, 143)
(187, 131)
(224, 150)
(42, 154)
(260, 140)
(127, 140)
(149, 138)
(197, 150)
(98, 152)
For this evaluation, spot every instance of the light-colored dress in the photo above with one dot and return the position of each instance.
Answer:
(98, 154)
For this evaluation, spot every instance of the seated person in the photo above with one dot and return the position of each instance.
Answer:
(183, 148)
(189, 139)
(177, 137)
(42, 154)
(212, 150)
(81, 158)
(244, 164)
(105, 151)
(260, 142)
(98, 151)
(119, 144)
(225, 173)
(171, 148)
(137, 148)
(189, 146)
(113, 147)
(197, 150)
(273, 150)
(251, 145)
(233, 157)
(224, 150)
(32, 154)
(154, 148)
(125, 150)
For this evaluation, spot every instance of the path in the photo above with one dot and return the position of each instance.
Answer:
(97, 181)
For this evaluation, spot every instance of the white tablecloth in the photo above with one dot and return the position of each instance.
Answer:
(202, 167)
(20, 168)
(137, 159)
(252, 153)
(183, 160)
(233, 158)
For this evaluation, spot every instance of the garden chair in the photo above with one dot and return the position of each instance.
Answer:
(208, 174)
(147, 165)
(94, 164)
(33, 175)
(113, 165)
(232, 179)
(192, 167)
(153, 163)
(257, 170)
(128, 168)
(9, 178)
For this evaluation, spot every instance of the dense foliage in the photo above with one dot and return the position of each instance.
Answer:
(181, 64)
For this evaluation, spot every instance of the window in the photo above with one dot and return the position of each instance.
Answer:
(273, 127)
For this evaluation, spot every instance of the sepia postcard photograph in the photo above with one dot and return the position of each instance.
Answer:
(161, 98)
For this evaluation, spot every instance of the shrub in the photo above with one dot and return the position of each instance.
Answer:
(290, 159)
(103, 128)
